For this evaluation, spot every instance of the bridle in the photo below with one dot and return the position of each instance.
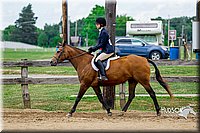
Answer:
(58, 58)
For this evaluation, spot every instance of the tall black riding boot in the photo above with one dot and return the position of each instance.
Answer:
(102, 70)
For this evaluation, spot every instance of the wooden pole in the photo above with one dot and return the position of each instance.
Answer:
(24, 86)
(179, 45)
(110, 6)
(122, 95)
(198, 11)
(65, 21)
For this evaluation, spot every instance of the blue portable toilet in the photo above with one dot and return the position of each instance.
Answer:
(197, 55)
(174, 53)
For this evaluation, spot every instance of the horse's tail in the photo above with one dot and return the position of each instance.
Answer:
(160, 79)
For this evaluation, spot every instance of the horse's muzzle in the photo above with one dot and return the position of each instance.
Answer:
(53, 63)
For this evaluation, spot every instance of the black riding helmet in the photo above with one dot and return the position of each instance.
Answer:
(101, 21)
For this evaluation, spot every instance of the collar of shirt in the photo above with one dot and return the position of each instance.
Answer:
(100, 30)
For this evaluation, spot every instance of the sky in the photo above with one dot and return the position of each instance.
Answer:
(50, 11)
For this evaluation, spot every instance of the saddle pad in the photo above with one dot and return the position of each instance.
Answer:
(108, 62)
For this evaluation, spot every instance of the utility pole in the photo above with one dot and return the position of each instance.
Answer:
(183, 41)
(65, 25)
(75, 29)
(168, 31)
(198, 10)
(110, 7)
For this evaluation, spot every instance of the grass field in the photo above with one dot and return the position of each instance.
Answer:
(62, 70)
(57, 97)
(45, 53)
(30, 54)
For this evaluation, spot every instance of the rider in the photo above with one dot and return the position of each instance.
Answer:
(103, 43)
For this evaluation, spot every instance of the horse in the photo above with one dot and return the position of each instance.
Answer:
(132, 68)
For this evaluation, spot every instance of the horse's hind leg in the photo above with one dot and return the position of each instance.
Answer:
(97, 90)
(132, 85)
(153, 96)
(82, 91)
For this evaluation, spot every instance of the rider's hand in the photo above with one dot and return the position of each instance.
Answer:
(90, 50)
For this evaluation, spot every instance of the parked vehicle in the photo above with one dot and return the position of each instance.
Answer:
(149, 31)
(126, 46)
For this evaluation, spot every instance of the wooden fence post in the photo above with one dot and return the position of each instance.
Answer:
(110, 6)
(65, 21)
(24, 85)
(122, 95)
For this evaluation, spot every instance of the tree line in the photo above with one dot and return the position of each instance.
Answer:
(25, 30)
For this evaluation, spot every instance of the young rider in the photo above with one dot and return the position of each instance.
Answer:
(103, 43)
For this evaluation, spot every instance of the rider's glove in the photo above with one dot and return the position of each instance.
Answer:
(91, 49)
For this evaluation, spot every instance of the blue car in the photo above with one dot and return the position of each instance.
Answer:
(126, 46)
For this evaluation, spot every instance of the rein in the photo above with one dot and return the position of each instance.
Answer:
(70, 57)
(77, 55)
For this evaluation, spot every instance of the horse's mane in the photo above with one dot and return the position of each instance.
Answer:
(79, 49)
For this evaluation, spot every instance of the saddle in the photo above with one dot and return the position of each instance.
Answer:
(106, 63)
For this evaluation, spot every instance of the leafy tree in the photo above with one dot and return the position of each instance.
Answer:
(52, 36)
(55, 40)
(89, 24)
(7, 33)
(177, 23)
(121, 24)
(42, 40)
(26, 29)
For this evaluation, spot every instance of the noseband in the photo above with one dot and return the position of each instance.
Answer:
(57, 59)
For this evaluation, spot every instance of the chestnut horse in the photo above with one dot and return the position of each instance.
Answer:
(132, 68)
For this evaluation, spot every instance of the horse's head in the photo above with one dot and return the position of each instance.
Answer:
(67, 52)
(59, 56)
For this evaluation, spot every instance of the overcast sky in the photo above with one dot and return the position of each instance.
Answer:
(49, 11)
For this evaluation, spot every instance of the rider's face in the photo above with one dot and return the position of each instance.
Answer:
(98, 26)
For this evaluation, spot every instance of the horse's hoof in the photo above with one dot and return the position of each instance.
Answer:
(110, 114)
(158, 114)
(69, 115)
(121, 113)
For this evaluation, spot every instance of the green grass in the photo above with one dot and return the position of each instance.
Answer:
(57, 97)
(178, 70)
(63, 70)
(54, 70)
(33, 54)
(46, 53)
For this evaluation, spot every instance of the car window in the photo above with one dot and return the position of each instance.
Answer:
(124, 41)
(136, 42)
(147, 38)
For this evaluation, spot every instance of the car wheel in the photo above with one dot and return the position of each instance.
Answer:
(155, 55)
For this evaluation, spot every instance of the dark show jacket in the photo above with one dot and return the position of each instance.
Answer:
(103, 42)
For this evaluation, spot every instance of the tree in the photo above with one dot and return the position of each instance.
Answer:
(26, 29)
(7, 33)
(121, 24)
(43, 40)
(89, 24)
(176, 23)
(51, 32)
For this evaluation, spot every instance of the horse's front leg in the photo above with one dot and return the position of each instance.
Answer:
(82, 91)
(97, 90)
